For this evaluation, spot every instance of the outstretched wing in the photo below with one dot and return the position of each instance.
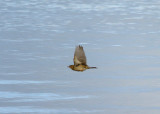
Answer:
(79, 56)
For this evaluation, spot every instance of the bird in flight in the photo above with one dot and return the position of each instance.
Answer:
(80, 61)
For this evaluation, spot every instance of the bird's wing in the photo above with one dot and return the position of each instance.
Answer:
(79, 56)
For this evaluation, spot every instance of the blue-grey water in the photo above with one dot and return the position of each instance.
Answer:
(37, 42)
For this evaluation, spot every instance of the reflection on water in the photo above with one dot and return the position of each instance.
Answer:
(37, 43)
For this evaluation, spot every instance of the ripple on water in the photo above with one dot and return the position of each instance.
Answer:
(116, 45)
(27, 109)
(36, 97)
(24, 82)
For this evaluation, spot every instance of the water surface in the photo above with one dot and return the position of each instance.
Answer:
(38, 39)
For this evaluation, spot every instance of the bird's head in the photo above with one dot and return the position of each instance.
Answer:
(71, 67)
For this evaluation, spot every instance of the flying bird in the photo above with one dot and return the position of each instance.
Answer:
(80, 61)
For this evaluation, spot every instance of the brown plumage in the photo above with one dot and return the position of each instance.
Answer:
(80, 61)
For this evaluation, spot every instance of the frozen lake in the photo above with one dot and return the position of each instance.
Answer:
(120, 37)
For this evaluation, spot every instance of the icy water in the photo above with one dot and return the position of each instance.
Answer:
(120, 37)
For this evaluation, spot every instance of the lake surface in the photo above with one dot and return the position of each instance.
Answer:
(120, 37)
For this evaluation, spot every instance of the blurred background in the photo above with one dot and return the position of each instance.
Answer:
(120, 37)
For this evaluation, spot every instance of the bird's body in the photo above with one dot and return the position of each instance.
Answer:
(80, 61)
(79, 67)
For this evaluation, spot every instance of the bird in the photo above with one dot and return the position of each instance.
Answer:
(80, 61)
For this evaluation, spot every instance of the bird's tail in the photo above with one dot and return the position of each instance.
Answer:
(92, 67)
